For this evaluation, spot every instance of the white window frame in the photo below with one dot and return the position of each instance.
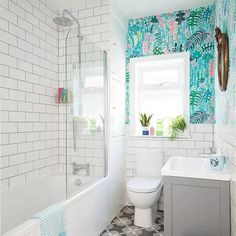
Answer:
(134, 109)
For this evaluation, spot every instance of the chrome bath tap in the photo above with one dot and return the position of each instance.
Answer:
(77, 167)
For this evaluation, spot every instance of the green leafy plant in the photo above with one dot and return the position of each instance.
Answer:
(145, 119)
(177, 126)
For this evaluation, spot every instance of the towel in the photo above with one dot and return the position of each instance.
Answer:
(52, 220)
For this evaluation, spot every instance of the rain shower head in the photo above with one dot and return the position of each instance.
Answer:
(63, 21)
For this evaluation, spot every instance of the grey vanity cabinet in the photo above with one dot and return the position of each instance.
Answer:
(196, 207)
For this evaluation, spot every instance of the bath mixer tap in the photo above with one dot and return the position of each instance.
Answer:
(77, 167)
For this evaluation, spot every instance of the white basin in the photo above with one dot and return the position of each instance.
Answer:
(192, 167)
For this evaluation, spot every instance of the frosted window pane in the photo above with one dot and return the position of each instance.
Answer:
(161, 77)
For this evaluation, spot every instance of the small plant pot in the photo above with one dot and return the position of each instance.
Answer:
(145, 131)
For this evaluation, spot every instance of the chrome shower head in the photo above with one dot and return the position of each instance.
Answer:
(63, 21)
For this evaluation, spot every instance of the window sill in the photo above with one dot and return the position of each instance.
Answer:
(160, 137)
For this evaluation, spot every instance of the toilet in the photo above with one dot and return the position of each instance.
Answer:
(144, 189)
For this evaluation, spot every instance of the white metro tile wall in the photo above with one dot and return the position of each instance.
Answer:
(29, 79)
(199, 143)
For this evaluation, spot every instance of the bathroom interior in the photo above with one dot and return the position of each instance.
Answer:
(118, 117)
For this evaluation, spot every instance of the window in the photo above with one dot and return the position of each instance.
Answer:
(159, 86)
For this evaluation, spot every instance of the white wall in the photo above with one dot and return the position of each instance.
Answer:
(29, 79)
(116, 158)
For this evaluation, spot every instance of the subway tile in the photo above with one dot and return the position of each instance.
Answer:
(105, 2)
(204, 128)
(39, 164)
(32, 19)
(208, 137)
(14, 8)
(32, 39)
(101, 28)
(26, 66)
(25, 106)
(24, 86)
(8, 172)
(9, 128)
(32, 156)
(140, 143)
(17, 74)
(31, 137)
(155, 143)
(170, 144)
(4, 24)
(3, 47)
(16, 116)
(197, 136)
(16, 52)
(9, 149)
(26, 46)
(8, 105)
(4, 3)
(204, 144)
(85, 13)
(4, 94)
(16, 31)
(8, 60)
(8, 83)
(4, 161)
(178, 152)
(7, 15)
(93, 20)
(25, 127)
(17, 159)
(25, 147)
(93, 3)
(25, 25)
(25, 167)
(101, 10)
(16, 138)
(4, 70)
(32, 97)
(186, 144)
(26, 5)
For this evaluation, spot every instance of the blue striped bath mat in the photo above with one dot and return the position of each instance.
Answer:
(52, 220)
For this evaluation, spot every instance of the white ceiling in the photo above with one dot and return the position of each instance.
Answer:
(139, 8)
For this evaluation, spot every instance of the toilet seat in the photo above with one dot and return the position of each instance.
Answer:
(143, 184)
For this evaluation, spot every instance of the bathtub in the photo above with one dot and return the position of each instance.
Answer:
(82, 206)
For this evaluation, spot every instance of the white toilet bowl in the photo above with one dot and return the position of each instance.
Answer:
(144, 193)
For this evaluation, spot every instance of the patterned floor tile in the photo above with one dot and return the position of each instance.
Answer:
(123, 224)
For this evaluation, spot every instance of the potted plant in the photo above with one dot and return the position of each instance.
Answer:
(145, 121)
(177, 126)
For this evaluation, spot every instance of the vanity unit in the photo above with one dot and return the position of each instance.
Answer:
(196, 199)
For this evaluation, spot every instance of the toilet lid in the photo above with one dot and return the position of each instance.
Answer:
(143, 184)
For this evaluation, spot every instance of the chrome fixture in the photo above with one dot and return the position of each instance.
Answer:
(77, 167)
(68, 22)
(64, 21)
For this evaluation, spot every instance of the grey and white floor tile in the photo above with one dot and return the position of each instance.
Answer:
(123, 224)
